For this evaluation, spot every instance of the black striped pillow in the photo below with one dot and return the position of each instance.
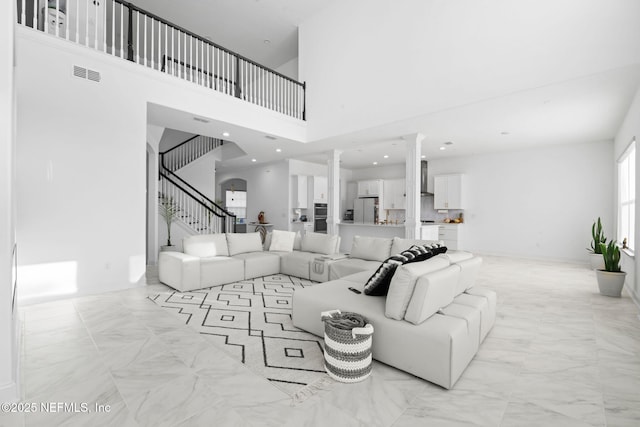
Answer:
(378, 283)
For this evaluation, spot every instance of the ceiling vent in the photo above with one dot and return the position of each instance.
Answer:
(85, 73)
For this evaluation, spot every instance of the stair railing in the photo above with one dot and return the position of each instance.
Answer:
(121, 29)
(189, 150)
(199, 212)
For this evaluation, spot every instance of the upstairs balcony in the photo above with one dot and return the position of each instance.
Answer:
(125, 31)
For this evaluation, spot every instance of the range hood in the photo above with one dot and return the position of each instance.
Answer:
(423, 179)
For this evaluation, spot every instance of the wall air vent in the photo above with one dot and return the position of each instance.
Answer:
(86, 74)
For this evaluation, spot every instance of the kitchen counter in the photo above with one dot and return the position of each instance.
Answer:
(372, 225)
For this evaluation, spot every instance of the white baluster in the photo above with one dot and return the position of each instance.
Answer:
(153, 36)
(121, 30)
(113, 27)
(104, 27)
(35, 14)
(95, 30)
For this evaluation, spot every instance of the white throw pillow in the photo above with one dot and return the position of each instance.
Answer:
(282, 241)
(240, 243)
(432, 292)
(206, 245)
(319, 243)
(371, 248)
(403, 282)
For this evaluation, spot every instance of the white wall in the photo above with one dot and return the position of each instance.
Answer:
(289, 69)
(9, 349)
(201, 174)
(81, 162)
(631, 128)
(267, 190)
(379, 172)
(537, 203)
(420, 56)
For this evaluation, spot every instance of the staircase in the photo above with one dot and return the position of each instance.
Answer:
(200, 214)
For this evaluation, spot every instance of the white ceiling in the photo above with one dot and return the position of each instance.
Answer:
(587, 109)
(242, 25)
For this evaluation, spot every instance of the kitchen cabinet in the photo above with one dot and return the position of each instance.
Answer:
(320, 189)
(430, 232)
(370, 188)
(299, 192)
(302, 227)
(448, 192)
(394, 194)
(451, 235)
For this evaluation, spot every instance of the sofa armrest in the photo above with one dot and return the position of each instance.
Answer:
(178, 270)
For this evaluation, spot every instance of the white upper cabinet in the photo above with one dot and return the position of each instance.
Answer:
(448, 192)
(394, 194)
(299, 192)
(370, 188)
(320, 189)
(352, 190)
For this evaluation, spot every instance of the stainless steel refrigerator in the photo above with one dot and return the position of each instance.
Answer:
(365, 211)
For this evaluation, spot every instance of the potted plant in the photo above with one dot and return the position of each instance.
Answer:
(598, 238)
(169, 211)
(611, 278)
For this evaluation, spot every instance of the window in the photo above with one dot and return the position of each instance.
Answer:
(627, 195)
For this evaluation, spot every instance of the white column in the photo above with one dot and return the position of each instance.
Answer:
(154, 135)
(9, 349)
(333, 183)
(412, 219)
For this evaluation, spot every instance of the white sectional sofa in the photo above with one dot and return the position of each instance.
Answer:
(430, 323)
(217, 259)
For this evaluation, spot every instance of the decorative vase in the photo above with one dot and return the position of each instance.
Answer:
(596, 261)
(611, 283)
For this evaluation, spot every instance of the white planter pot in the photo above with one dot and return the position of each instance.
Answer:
(610, 283)
(596, 261)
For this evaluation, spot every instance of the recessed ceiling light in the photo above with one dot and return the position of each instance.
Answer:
(375, 163)
(443, 148)
(423, 156)
(225, 134)
(386, 156)
(278, 150)
(254, 160)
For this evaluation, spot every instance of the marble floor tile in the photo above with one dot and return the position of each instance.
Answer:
(559, 354)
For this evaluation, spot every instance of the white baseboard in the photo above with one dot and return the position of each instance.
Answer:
(9, 392)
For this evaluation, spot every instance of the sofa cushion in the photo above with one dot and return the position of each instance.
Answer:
(206, 245)
(297, 263)
(282, 241)
(320, 243)
(457, 256)
(220, 270)
(399, 244)
(432, 292)
(469, 269)
(345, 267)
(370, 248)
(259, 264)
(240, 243)
(403, 283)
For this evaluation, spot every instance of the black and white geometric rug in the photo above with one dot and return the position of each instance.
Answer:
(251, 321)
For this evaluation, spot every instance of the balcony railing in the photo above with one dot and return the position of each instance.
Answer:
(123, 30)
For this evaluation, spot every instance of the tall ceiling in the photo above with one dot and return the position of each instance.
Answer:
(584, 109)
(265, 31)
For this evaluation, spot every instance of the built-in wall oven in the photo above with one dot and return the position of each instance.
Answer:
(320, 218)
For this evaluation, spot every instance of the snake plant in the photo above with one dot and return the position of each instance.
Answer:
(597, 236)
(611, 255)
